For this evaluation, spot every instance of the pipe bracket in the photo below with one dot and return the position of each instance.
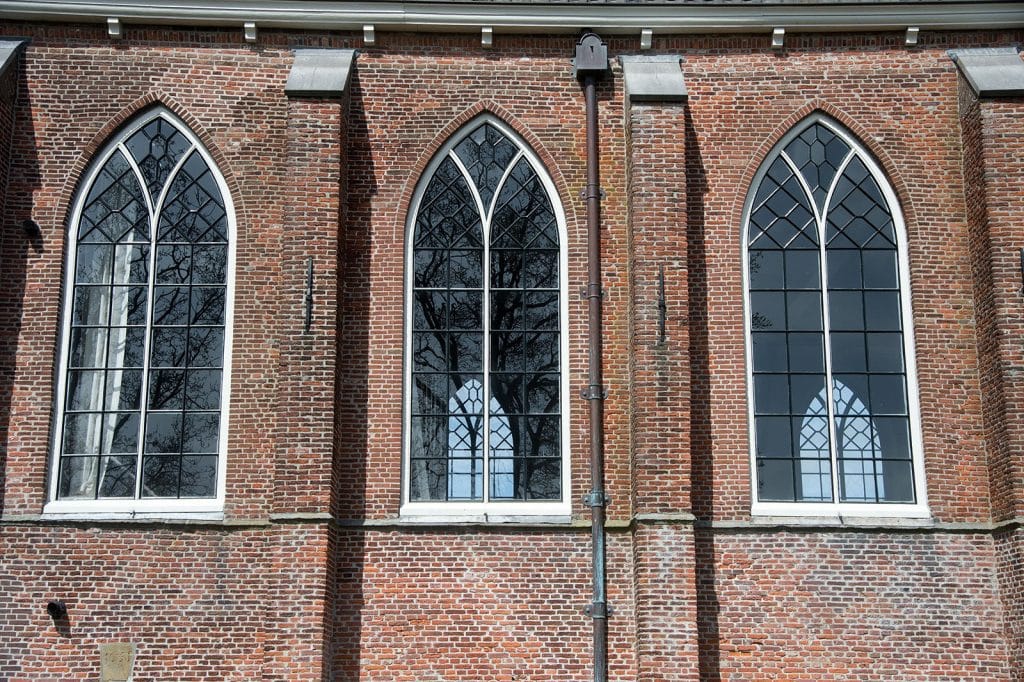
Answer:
(596, 498)
(594, 392)
(598, 609)
(591, 291)
(592, 192)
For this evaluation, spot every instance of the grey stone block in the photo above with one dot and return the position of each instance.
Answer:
(320, 73)
(8, 53)
(654, 78)
(992, 71)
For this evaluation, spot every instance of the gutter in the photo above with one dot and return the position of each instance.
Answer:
(533, 17)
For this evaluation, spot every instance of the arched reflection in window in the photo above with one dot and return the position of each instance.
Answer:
(485, 337)
(143, 365)
(862, 476)
(829, 351)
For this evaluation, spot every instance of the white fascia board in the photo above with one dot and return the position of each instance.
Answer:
(533, 17)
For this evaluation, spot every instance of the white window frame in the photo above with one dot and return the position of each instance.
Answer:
(486, 510)
(838, 509)
(124, 508)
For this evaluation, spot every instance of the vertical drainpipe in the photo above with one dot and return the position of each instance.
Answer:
(590, 65)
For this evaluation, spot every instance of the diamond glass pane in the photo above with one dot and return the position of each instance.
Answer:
(115, 208)
(486, 153)
(156, 148)
(818, 153)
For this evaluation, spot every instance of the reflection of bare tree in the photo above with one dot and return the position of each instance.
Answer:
(171, 469)
(522, 325)
(105, 405)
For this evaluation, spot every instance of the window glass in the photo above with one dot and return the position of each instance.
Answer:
(831, 411)
(143, 365)
(485, 410)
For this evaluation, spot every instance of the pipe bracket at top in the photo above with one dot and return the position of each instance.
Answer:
(591, 58)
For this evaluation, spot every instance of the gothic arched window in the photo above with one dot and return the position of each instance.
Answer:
(143, 368)
(833, 398)
(486, 380)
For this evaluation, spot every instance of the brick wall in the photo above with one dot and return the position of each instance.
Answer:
(822, 606)
(1010, 569)
(199, 604)
(8, 97)
(993, 171)
(316, 419)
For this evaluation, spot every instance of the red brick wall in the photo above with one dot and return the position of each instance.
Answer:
(79, 86)
(822, 606)
(741, 102)
(993, 167)
(333, 179)
(474, 605)
(993, 170)
(1010, 567)
(200, 604)
(409, 95)
(8, 100)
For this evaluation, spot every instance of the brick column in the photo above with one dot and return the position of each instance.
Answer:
(992, 121)
(8, 101)
(312, 214)
(666, 613)
(302, 575)
(8, 96)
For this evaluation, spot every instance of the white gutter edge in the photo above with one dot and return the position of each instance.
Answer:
(546, 18)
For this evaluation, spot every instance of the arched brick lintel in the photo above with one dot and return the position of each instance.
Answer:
(148, 101)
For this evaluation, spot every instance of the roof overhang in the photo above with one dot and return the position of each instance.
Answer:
(533, 17)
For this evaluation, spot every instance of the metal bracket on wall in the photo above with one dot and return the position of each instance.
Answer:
(586, 292)
(309, 296)
(596, 498)
(662, 305)
(599, 609)
(594, 392)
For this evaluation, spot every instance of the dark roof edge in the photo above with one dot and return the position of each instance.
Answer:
(551, 16)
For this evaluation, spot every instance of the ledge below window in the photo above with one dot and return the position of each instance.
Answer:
(469, 513)
(119, 510)
(838, 513)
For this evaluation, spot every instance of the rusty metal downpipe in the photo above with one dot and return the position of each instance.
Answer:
(590, 65)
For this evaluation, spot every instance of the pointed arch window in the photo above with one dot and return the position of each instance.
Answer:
(833, 403)
(143, 370)
(486, 431)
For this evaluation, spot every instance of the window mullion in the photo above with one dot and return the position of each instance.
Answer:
(154, 219)
(833, 448)
(485, 325)
(830, 405)
(485, 344)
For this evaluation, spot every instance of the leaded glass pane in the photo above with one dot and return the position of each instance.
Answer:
(463, 264)
(113, 409)
(862, 388)
(818, 153)
(156, 148)
(115, 208)
(486, 153)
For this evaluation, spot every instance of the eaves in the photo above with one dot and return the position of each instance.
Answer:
(535, 16)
